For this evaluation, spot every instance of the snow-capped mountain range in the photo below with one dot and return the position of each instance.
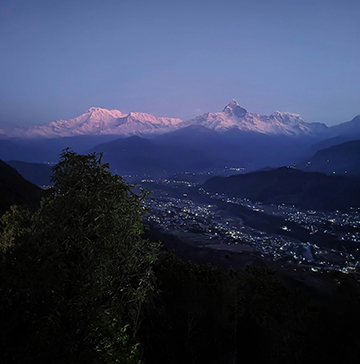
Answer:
(235, 117)
(98, 121)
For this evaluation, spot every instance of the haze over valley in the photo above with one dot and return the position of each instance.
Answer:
(285, 185)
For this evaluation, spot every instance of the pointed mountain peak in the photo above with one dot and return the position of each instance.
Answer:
(234, 109)
(232, 104)
(94, 109)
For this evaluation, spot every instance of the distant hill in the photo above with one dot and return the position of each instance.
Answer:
(17, 150)
(327, 143)
(348, 129)
(341, 159)
(291, 186)
(41, 150)
(135, 155)
(37, 173)
(198, 149)
(16, 190)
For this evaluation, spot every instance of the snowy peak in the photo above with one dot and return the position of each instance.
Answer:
(234, 109)
(99, 113)
(286, 118)
(156, 121)
(231, 105)
(235, 117)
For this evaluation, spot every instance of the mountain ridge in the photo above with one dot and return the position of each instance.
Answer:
(339, 159)
(234, 116)
(100, 121)
(97, 121)
(291, 186)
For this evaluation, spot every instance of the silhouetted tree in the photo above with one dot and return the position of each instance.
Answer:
(76, 273)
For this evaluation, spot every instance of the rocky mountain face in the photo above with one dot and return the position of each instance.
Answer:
(98, 121)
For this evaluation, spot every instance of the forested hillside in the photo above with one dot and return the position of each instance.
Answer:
(80, 284)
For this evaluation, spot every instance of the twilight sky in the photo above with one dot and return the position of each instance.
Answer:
(178, 58)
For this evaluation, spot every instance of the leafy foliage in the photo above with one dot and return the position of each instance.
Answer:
(77, 272)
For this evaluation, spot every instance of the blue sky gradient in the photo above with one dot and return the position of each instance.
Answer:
(178, 58)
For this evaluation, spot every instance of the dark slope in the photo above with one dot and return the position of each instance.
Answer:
(196, 149)
(37, 173)
(291, 186)
(41, 150)
(147, 156)
(15, 189)
(19, 150)
(343, 159)
(350, 128)
(327, 143)
(249, 150)
(132, 155)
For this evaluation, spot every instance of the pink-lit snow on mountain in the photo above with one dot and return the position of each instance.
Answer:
(98, 121)
(235, 117)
